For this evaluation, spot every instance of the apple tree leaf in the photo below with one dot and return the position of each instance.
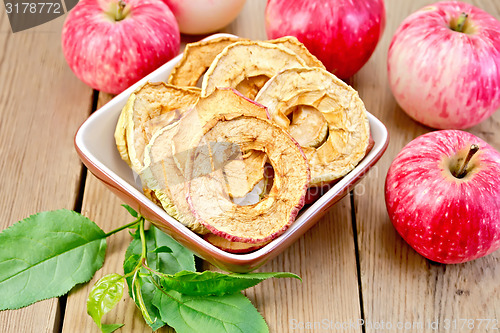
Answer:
(214, 283)
(209, 314)
(162, 249)
(47, 254)
(131, 210)
(158, 258)
(103, 297)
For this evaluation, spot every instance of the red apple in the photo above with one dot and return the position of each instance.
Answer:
(444, 65)
(111, 44)
(342, 34)
(444, 199)
(204, 16)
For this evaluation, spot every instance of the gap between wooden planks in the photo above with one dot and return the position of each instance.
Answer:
(42, 104)
(324, 257)
(397, 284)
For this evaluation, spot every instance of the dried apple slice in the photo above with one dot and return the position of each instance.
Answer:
(308, 126)
(120, 131)
(272, 215)
(296, 46)
(343, 110)
(150, 107)
(163, 172)
(241, 62)
(196, 59)
(247, 167)
(162, 176)
(232, 247)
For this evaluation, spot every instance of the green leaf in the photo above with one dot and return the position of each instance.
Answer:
(131, 210)
(103, 297)
(214, 283)
(109, 328)
(177, 260)
(162, 249)
(143, 284)
(137, 283)
(47, 254)
(207, 314)
(169, 262)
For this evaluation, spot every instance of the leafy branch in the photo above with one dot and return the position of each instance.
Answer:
(159, 272)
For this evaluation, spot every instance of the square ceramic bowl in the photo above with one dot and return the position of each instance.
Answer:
(95, 145)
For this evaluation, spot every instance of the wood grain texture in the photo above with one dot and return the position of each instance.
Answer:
(328, 295)
(104, 208)
(41, 106)
(398, 285)
(324, 257)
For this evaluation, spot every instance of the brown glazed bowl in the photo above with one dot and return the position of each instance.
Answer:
(95, 144)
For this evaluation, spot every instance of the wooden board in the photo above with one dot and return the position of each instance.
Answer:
(284, 303)
(325, 259)
(42, 106)
(398, 285)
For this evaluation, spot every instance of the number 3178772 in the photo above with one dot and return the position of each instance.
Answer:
(33, 7)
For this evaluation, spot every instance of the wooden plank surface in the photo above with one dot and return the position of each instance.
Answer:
(103, 207)
(41, 106)
(398, 285)
(324, 257)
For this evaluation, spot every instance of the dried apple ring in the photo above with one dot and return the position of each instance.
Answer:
(296, 46)
(272, 215)
(196, 59)
(162, 176)
(343, 110)
(232, 247)
(247, 167)
(308, 126)
(243, 61)
(164, 171)
(149, 108)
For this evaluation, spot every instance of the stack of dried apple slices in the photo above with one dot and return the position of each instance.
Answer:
(204, 155)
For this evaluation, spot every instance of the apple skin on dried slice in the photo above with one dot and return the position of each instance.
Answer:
(232, 247)
(345, 113)
(196, 59)
(245, 60)
(149, 108)
(272, 215)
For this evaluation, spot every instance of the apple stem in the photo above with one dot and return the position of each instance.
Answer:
(460, 24)
(119, 12)
(463, 170)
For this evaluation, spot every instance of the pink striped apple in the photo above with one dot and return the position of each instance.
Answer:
(444, 65)
(342, 33)
(111, 44)
(442, 194)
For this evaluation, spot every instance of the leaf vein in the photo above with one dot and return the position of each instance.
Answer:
(49, 258)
